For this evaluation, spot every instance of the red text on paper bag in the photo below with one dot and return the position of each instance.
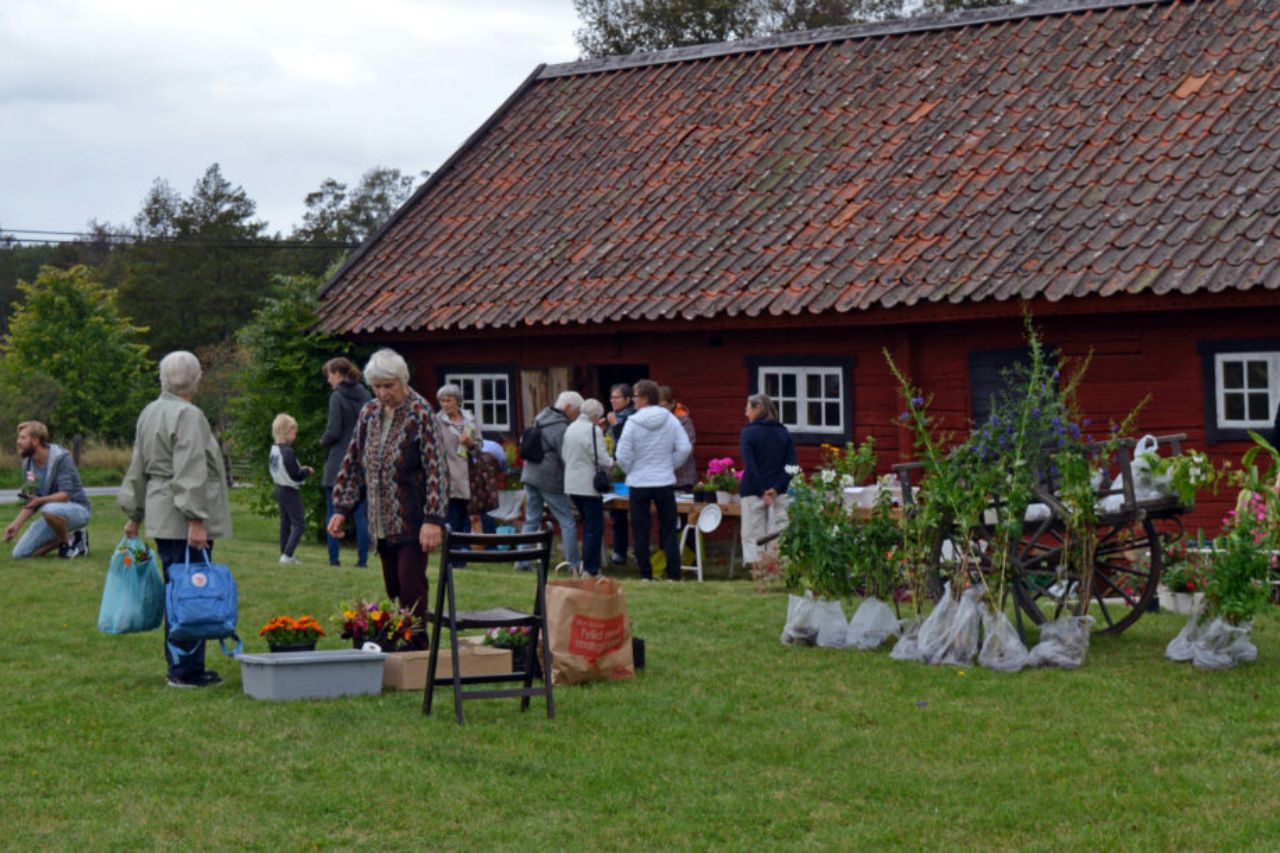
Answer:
(592, 637)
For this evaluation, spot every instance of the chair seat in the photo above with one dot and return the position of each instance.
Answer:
(498, 617)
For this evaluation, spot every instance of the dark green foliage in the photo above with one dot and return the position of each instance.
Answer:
(619, 27)
(282, 359)
(72, 357)
(200, 265)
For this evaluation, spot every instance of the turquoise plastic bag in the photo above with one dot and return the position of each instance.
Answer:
(133, 596)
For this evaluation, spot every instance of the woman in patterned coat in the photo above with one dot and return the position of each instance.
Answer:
(396, 463)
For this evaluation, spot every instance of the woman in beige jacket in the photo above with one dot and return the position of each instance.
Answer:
(176, 485)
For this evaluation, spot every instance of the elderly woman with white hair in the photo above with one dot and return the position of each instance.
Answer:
(460, 435)
(176, 484)
(585, 453)
(396, 462)
(543, 479)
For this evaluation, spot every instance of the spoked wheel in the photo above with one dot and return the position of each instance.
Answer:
(1127, 563)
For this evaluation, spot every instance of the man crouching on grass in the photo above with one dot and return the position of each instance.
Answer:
(51, 485)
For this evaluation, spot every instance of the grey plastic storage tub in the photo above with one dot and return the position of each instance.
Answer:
(312, 675)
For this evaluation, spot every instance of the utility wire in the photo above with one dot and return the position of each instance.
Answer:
(15, 236)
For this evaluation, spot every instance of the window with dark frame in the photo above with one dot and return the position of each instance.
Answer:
(1241, 387)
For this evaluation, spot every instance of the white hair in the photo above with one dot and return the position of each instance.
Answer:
(569, 399)
(450, 390)
(180, 372)
(593, 409)
(386, 364)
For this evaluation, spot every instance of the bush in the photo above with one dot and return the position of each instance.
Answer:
(283, 354)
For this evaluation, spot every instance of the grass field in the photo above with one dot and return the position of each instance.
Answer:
(727, 740)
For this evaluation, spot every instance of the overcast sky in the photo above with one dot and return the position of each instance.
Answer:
(100, 97)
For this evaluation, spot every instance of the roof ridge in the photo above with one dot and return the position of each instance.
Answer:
(845, 32)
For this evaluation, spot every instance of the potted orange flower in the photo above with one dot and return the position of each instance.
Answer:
(286, 634)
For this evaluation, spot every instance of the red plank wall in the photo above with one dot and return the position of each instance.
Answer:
(1134, 354)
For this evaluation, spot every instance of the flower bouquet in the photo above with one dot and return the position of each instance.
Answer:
(376, 622)
(286, 634)
(28, 490)
(135, 551)
(511, 476)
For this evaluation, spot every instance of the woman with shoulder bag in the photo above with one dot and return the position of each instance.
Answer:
(586, 477)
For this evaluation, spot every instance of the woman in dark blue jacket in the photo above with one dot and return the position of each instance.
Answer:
(767, 450)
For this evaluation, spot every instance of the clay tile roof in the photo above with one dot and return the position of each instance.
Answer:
(1063, 148)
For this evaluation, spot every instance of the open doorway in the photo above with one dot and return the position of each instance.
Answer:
(604, 376)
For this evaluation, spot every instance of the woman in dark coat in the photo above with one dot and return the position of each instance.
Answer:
(348, 397)
(767, 450)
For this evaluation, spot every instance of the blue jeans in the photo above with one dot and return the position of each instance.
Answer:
(40, 534)
(190, 666)
(535, 499)
(459, 521)
(592, 511)
(362, 531)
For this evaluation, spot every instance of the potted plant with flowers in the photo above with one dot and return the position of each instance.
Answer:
(723, 479)
(1183, 582)
(377, 622)
(287, 634)
(519, 640)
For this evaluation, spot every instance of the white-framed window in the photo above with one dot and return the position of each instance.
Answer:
(810, 399)
(487, 396)
(1246, 389)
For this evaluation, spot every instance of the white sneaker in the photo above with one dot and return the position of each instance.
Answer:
(286, 560)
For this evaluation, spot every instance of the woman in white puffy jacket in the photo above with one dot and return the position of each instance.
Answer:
(652, 447)
(584, 452)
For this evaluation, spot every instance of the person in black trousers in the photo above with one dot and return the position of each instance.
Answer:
(288, 476)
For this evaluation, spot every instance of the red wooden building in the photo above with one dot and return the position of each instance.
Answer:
(772, 214)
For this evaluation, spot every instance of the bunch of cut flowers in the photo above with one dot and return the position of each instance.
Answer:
(377, 622)
(135, 551)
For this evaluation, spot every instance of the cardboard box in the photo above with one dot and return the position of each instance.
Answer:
(408, 670)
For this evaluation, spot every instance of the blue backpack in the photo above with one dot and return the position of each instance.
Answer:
(201, 604)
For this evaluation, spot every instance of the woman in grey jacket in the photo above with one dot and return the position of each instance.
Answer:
(348, 397)
(177, 484)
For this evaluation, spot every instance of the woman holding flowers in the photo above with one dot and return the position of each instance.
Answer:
(396, 461)
(767, 451)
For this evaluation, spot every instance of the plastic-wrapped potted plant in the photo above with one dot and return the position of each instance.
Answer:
(1217, 634)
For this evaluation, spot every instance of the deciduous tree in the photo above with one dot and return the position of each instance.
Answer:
(67, 330)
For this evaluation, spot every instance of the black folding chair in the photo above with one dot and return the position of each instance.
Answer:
(535, 547)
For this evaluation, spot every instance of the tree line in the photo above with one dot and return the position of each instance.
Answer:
(85, 320)
(617, 27)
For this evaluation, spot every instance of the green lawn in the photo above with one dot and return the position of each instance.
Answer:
(727, 740)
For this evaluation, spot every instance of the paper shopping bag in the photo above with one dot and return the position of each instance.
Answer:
(589, 632)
